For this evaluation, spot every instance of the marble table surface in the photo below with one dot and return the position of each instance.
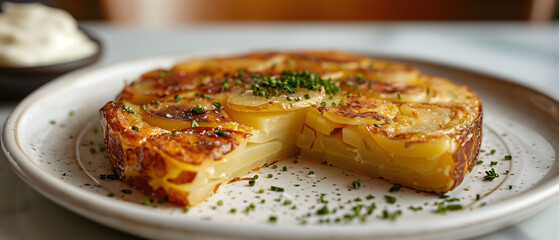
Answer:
(524, 53)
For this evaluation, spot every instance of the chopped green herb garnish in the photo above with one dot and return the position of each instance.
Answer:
(108, 177)
(217, 105)
(174, 134)
(399, 97)
(110, 195)
(444, 196)
(143, 107)
(194, 124)
(273, 218)
(127, 109)
(510, 187)
(233, 210)
(225, 86)
(442, 207)
(356, 184)
(251, 182)
(261, 190)
(323, 104)
(250, 207)
(274, 166)
(395, 188)
(360, 78)
(220, 202)
(135, 128)
(323, 211)
(186, 208)
(197, 109)
(307, 96)
(493, 163)
(490, 175)
(333, 104)
(322, 198)
(369, 197)
(479, 162)
(270, 175)
(126, 191)
(147, 201)
(164, 74)
(288, 82)
(92, 150)
(177, 98)
(390, 199)
(221, 133)
(478, 196)
(508, 157)
(157, 102)
(276, 189)
(416, 208)
(371, 208)
(391, 216)
(493, 151)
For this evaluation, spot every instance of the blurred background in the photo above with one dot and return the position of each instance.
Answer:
(171, 12)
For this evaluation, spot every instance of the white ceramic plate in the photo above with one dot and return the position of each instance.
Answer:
(48, 140)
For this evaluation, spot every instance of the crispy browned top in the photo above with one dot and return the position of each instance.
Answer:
(195, 145)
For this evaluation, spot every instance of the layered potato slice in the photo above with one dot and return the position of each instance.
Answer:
(180, 133)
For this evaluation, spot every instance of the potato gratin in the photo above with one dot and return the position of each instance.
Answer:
(181, 133)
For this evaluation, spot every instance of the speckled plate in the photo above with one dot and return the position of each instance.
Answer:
(53, 143)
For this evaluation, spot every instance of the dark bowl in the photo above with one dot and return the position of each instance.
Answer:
(18, 82)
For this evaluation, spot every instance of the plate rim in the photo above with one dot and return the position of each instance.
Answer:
(23, 166)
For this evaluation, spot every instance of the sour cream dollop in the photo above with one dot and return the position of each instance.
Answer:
(32, 34)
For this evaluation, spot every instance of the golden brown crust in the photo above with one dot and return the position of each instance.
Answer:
(465, 158)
